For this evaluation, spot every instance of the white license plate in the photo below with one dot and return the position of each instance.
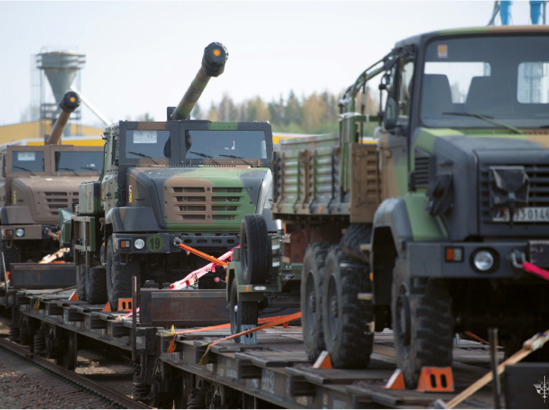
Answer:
(529, 214)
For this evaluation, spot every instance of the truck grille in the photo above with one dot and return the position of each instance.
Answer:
(56, 200)
(538, 196)
(203, 204)
(422, 167)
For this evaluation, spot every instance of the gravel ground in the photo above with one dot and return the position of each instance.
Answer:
(26, 386)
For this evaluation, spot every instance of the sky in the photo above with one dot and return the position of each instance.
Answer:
(141, 56)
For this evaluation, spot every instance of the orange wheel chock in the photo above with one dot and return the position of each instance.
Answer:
(396, 381)
(125, 304)
(107, 307)
(436, 379)
(74, 296)
(431, 379)
(323, 361)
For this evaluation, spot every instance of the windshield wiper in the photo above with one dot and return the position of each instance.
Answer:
(25, 169)
(140, 154)
(237, 157)
(486, 118)
(68, 169)
(200, 154)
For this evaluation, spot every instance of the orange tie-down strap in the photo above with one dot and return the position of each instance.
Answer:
(267, 323)
(203, 255)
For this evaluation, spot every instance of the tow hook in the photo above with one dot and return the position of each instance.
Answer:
(517, 259)
(177, 240)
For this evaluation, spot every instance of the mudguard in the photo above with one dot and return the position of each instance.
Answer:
(396, 222)
(132, 219)
(16, 215)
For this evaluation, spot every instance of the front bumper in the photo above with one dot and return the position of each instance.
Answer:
(428, 259)
(164, 242)
(30, 232)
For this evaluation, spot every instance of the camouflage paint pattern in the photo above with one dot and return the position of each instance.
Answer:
(202, 199)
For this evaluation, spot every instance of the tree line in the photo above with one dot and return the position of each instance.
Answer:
(316, 113)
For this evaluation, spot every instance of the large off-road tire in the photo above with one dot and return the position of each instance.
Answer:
(81, 282)
(348, 321)
(422, 325)
(355, 235)
(119, 277)
(242, 313)
(312, 280)
(96, 286)
(255, 249)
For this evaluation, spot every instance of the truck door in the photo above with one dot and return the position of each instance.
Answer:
(395, 133)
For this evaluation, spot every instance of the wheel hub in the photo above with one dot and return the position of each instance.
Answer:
(333, 307)
(311, 305)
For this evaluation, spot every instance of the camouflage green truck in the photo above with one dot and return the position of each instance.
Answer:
(164, 183)
(425, 224)
(36, 182)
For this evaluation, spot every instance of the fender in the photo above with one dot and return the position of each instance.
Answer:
(132, 218)
(396, 222)
(265, 201)
(16, 215)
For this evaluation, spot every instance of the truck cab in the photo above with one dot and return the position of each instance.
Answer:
(36, 182)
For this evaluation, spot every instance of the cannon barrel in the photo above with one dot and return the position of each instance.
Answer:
(213, 64)
(70, 102)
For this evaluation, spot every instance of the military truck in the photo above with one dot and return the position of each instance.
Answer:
(36, 182)
(179, 181)
(422, 225)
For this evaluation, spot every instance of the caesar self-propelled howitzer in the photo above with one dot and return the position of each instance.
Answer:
(37, 181)
(165, 183)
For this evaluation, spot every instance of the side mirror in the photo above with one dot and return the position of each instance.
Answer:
(391, 113)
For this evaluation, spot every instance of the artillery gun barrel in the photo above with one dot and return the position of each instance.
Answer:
(213, 64)
(70, 102)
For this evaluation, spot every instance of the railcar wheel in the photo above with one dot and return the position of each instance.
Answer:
(242, 313)
(312, 279)
(96, 286)
(422, 325)
(81, 282)
(118, 276)
(68, 350)
(348, 321)
(255, 249)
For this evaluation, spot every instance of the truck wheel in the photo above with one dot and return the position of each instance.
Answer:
(96, 286)
(242, 313)
(422, 325)
(255, 249)
(119, 277)
(348, 321)
(312, 279)
(355, 235)
(81, 282)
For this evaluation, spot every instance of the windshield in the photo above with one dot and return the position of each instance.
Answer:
(78, 161)
(225, 144)
(27, 161)
(504, 79)
(147, 144)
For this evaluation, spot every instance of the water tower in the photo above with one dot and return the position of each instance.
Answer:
(60, 68)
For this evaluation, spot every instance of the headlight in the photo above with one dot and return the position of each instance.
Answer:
(139, 244)
(483, 260)
(19, 232)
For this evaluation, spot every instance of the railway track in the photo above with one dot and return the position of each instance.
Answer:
(31, 381)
